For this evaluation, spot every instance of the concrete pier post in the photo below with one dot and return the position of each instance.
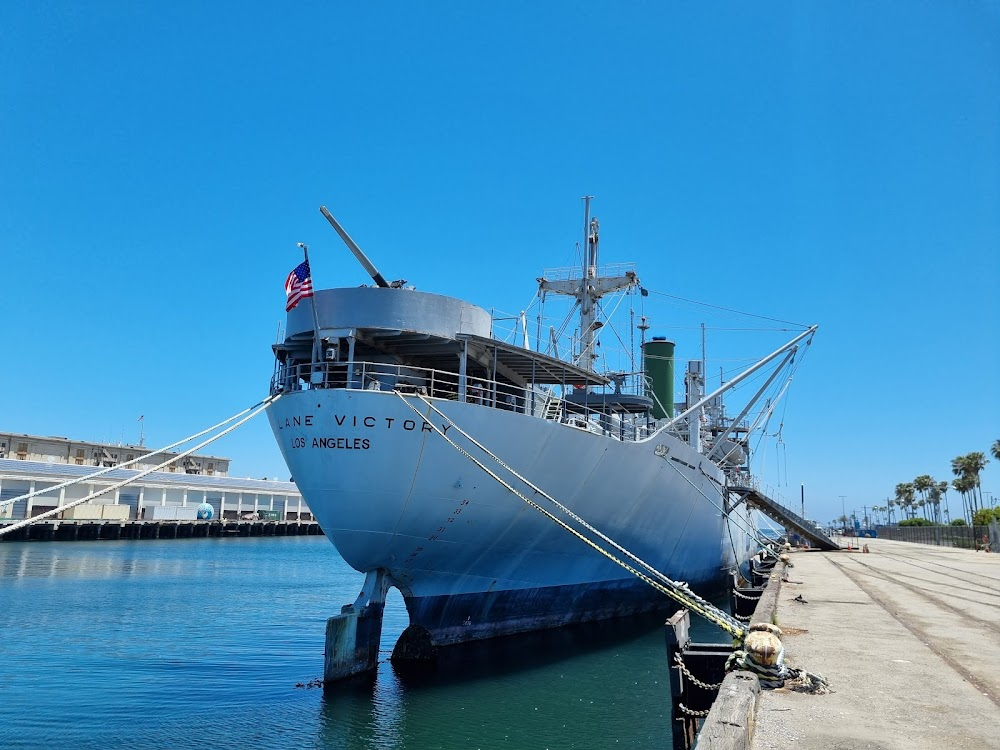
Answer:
(353, 636)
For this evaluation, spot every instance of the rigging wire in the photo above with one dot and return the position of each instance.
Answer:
(126, 464)
(145, 472)
(728, 309)
(607, 318)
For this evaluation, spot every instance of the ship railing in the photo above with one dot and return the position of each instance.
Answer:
(542, 402)
(567, 273)
(743, 478)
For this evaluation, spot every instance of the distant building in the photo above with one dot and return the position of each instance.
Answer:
(32, 462)
(81, 453)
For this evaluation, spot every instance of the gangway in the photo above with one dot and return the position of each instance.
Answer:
(792, 521)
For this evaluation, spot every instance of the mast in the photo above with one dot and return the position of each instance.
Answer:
(589, 288)
(585, 357)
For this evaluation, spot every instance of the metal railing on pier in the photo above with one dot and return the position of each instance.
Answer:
(963, 537)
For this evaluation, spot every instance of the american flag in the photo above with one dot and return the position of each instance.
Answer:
(298, 285)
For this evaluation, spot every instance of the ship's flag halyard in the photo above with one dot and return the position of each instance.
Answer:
(298, 285)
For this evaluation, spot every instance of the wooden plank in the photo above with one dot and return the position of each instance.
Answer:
(729, 725)
(768, 603)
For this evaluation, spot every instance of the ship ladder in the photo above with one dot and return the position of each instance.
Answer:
(250, 413)
(553, 409)
(676, 590)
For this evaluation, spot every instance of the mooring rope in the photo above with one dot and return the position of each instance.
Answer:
(126, 464)
(673, 589)
(254, 411)
(775, 675)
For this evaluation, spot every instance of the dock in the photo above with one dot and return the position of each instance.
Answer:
(908, 636)
(80, 531)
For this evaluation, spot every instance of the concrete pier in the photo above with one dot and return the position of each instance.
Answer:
(909, 638)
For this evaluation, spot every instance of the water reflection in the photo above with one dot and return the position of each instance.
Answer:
(80, 560)
(558, 687)
(206, 640)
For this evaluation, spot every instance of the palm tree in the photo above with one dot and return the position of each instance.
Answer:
(843, 522)
(934, 501)
(964, 486)
(968, 467)
(976, 462)
(995, 449)
(911, 499)
(901, 498)
(942, 489)
(921, 484)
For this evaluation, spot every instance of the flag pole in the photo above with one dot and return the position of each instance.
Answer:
(317, 350)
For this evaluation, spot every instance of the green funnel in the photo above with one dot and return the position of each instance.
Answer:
(658, 363)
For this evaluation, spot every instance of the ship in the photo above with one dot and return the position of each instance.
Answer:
(426, 446)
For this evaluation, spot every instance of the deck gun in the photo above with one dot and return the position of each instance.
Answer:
(362, 258)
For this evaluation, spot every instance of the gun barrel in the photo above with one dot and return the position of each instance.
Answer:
(362, 258)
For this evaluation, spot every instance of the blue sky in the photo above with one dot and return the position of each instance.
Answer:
(833, 163)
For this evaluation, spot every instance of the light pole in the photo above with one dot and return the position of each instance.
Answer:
(843, 511)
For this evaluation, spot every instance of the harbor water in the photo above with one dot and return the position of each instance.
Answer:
(212, 643)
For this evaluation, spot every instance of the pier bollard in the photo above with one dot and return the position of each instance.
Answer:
(764, 647)
(352, 641)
